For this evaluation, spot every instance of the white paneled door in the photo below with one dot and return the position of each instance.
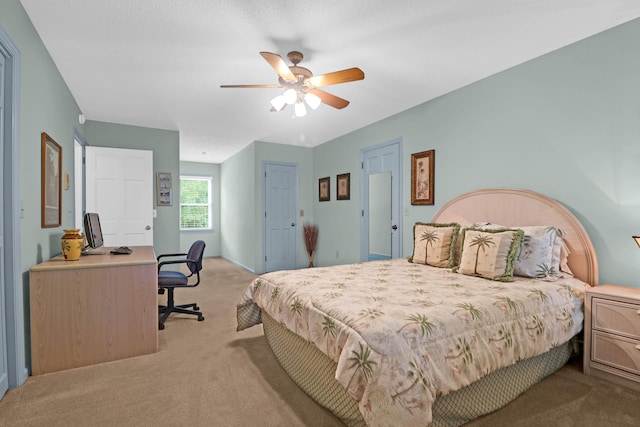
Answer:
(280, 201)
(119, 188)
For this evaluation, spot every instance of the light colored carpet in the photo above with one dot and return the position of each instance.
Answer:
(207, 374)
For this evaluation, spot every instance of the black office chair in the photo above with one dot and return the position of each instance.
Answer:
(170, 280)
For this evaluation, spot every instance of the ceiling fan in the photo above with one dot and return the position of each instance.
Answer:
(301, 86)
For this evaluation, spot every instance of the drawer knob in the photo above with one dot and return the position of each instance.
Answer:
(638, 347)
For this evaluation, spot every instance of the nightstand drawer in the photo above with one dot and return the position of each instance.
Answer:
(616, 351)
(616, 317)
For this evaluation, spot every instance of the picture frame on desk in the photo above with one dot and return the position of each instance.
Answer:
(51, 182)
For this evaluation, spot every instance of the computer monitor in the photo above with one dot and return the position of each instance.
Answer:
(92, 230)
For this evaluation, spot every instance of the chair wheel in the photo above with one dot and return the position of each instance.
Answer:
(200, 318)
(161, 326)
(195, 307)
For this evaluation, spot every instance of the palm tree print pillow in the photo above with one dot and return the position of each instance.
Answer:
(489, 253)
(433, 244)
(539, 253)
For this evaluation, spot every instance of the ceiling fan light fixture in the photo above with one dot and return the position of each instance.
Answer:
(278, 103)
(300, 109)
(312, 100)
(299, 83)
(290, 96)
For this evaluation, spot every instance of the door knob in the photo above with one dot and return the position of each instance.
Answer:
(394, 227)
(293, 224)
(148, 227)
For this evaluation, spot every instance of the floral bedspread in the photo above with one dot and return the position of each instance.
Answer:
(403, 334)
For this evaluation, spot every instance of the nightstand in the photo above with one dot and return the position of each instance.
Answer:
(612, 334)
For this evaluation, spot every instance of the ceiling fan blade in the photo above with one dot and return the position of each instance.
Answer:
(329, 99)
(343, 76)
(253, 86)
(280, 66)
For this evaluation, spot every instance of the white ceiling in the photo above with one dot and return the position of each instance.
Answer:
(160, 63)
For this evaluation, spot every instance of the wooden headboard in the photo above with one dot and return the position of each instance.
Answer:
(513, 207)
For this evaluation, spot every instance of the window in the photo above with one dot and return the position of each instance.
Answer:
(195, 203)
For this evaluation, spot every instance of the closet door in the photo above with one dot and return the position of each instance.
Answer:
(280, 201)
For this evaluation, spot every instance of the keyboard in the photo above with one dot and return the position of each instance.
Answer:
(93, 252)
(122, 250)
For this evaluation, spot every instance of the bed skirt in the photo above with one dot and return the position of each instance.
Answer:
(314, 373)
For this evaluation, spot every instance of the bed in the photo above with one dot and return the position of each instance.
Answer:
(400, 342)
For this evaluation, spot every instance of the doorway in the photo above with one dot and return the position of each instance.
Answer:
(280, 197)
(381, 223)
(13, 370)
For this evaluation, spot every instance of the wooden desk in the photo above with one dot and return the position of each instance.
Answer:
(97, 309)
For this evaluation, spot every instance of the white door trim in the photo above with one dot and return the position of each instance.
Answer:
(16, 360)
(78, 171)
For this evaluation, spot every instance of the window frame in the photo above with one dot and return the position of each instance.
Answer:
(209, 205)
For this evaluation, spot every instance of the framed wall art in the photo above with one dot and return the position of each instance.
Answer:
(422, 173)
(343, 185)
(51, 182)
(324, 189)
(163, 185)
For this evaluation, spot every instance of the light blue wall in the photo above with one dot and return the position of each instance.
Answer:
(165, 145)
(238, 205)
(565, 125)
(211, 238)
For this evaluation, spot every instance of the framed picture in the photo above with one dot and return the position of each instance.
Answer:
(51, 182)
(324, 189)
(163, 185)
(343, 183)
(422, 173)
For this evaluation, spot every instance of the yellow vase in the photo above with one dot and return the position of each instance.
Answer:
(71, 244)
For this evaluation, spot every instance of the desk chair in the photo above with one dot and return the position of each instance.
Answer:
(169, 280)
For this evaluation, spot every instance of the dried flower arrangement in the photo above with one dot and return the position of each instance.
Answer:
(310, 240)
